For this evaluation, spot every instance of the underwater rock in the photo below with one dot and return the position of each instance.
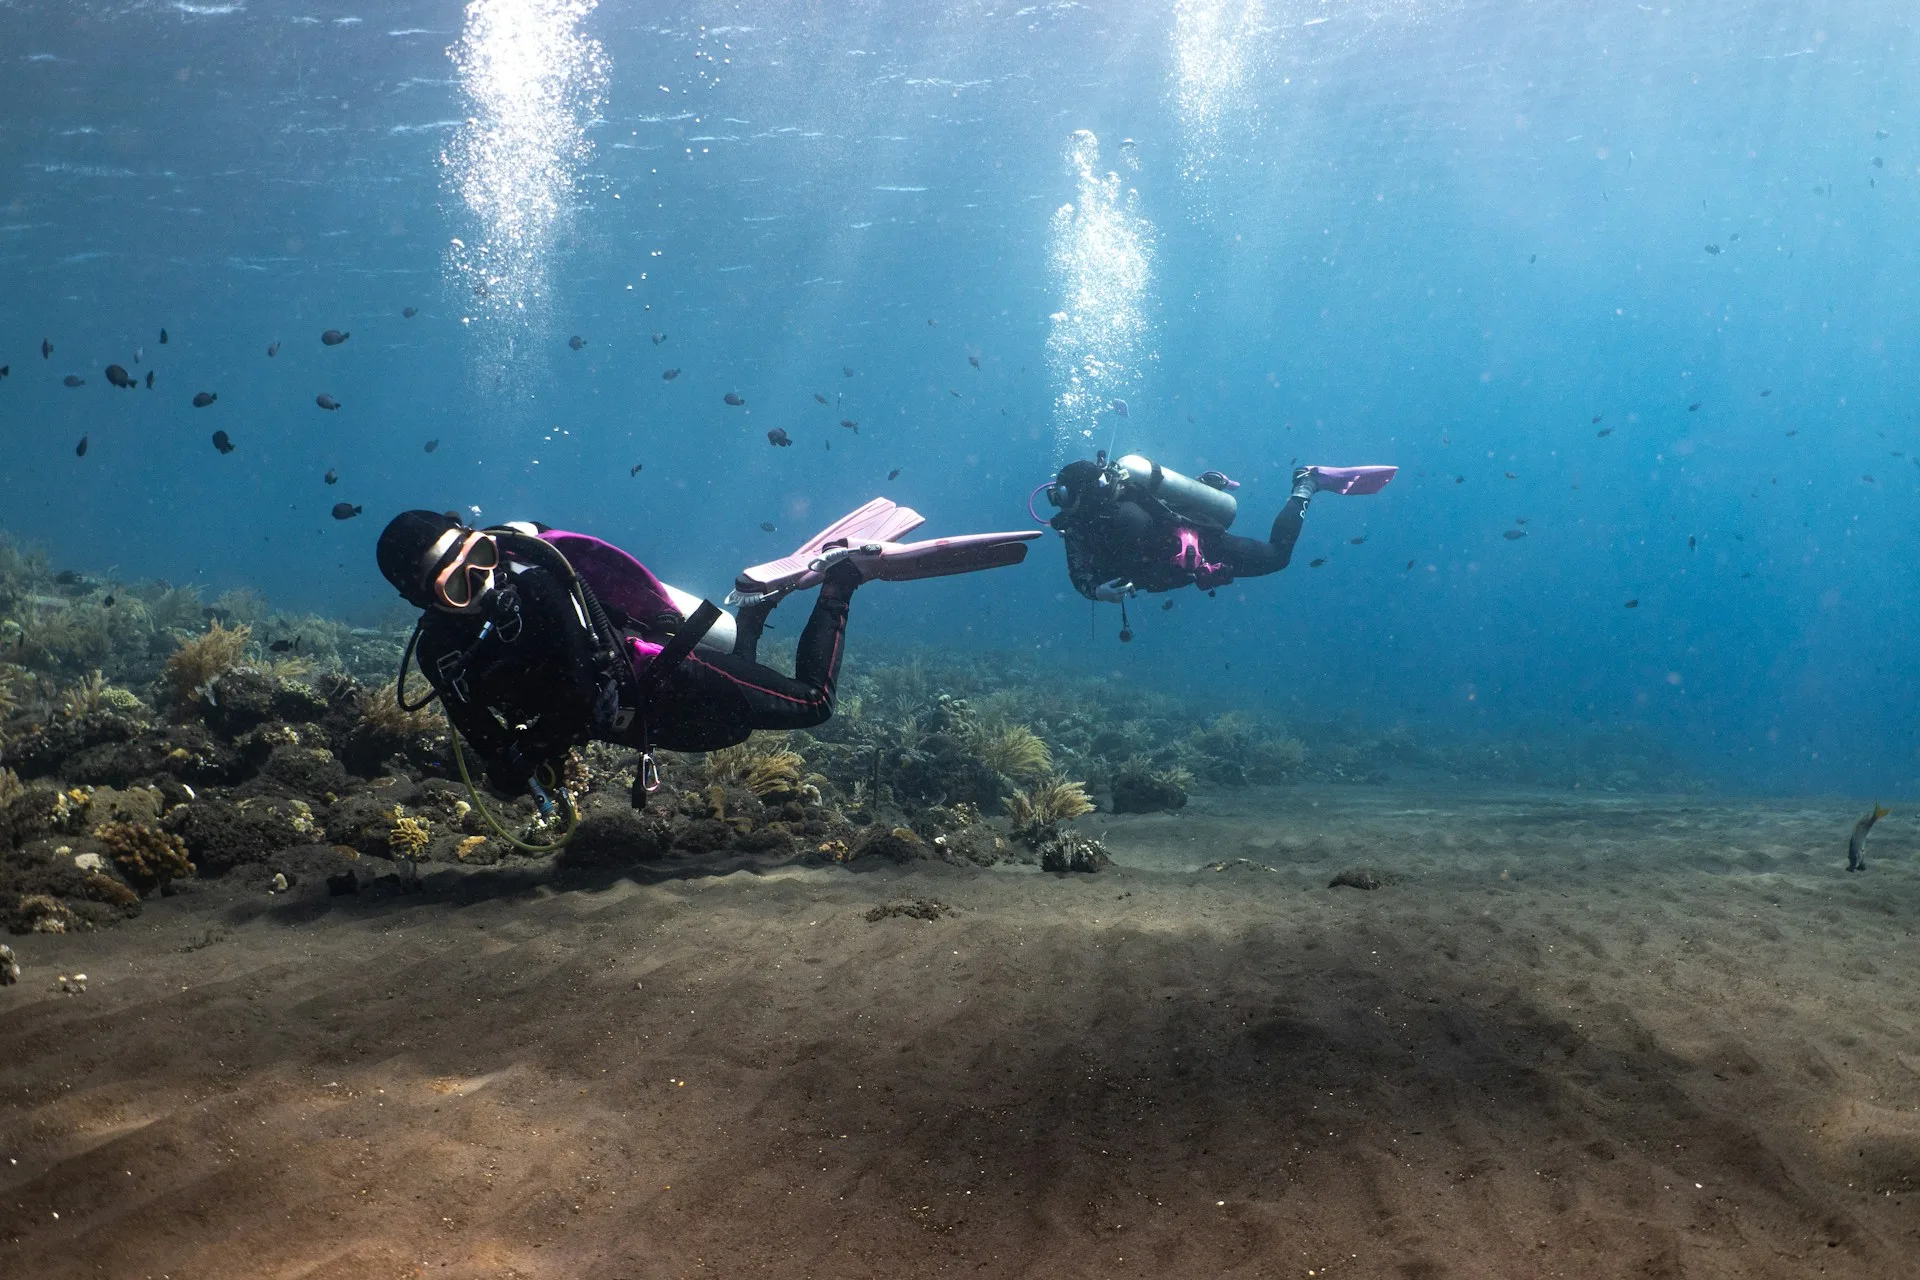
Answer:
(245, 698)
(44, 751)
(146, 855)
(182, 752)
(1362, 878)
(222, 833)
(898, 844)
(42, 891)
(9, 967)
(1138, 788)
(362, 821)
(616, 836)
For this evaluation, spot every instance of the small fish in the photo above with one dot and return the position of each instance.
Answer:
(975, 362)
(408, 313)
(1604, 432)
(273, 348)
(734, 398)
(1868, 479)
(1695, 406)
(1597, 417)
(74, 380)
(1881, 133)
(635, 469)
(1410, 564)
(107, 603)
(846, 371)
(954, 392)
(1713, 248)
(1878, 163)
(149, 379)
(332, 476)
(1459, 479)
(1513, 535)
(46, 349)
(1167, 606)
(820, 397)
(5, 369)
(345, 511)
(767, 526)
(1765, 393)
(119, 377)
(1532, 258)
(1857, 842)
(1357, 541)
(1794, 432)
(80, 450)
(222, 443)
(576, 342)
(1119, 407)
(1692, 542)
(932, 323)
(326, 401)
(1315, 564)
(433, 444)
(779, 438)
(894, 474)
(1511, 476)
(201, 399)
(139, 354)
(1519, 519)
(850, 425)
(1632, 604)
(668, 375)
(284, 646)
(1734, 236)
(333, 337)
(163, 337)
(658, 338)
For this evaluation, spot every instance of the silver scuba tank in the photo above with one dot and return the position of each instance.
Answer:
(1183, 494)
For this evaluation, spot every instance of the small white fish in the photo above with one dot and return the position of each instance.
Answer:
(1119, 407)
(137, 353)
(475, 508)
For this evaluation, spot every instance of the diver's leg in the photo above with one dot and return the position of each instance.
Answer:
(748, 622)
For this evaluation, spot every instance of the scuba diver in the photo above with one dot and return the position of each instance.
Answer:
(537, 641)
(1134, 525)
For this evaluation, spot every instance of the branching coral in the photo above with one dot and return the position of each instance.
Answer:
(1055, 800)
(205, 658)
(93, 695)
(147, 856)
(1014, 750)
(407, 838)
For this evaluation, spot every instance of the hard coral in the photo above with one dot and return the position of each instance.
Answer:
(147, 856)
(407, 838)
(203, 659)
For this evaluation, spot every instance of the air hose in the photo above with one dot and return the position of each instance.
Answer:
(573, 814)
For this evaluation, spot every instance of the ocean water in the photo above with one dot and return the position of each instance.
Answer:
(1640, 275)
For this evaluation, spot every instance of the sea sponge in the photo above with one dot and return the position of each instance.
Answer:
(1014, 750)
(1055, 800)
(407, 838)
(147, 856)
(205, 658)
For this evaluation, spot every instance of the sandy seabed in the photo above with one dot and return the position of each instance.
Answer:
(1586, 1036)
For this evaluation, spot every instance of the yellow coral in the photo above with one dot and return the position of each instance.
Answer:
(94, 694)
(468, 847)
(764, 771)
(1055, 800)
(382, 712)
(407, 838)
(1013, 749)
(147, 856)
(205, 658)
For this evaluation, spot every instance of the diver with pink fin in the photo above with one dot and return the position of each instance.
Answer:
(537, 640)
(1132, 525)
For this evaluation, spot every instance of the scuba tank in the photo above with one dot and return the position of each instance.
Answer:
(1183, 495)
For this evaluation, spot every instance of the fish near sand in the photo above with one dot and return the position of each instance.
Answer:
(1857, 842)
(345, 511)
(333, 337)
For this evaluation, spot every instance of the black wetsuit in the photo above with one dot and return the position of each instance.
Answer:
(532, 677)
(1116, 533)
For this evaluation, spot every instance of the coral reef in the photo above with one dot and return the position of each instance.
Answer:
(1048, 804)
(408, 837)
(147, 856)
(198, 662)
(1138, 787)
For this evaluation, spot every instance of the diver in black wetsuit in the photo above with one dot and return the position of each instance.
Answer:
(1133, 525)
(529, 662)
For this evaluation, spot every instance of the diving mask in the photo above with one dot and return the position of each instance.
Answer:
(467, 572)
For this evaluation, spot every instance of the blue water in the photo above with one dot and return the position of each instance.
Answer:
(1445, 235)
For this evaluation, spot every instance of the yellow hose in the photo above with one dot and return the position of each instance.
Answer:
(573, 814)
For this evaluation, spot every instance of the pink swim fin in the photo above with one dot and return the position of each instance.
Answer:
(936, 557)
(880, 520)
(1353, 481)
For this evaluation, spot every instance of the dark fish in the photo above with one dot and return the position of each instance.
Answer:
(119, 377)
(932, 323)
(894, 474)
(658, 338)
(326, 401)
(333, 337)
(74, 380)
(284, 646)
(846, 371)
(734, 398)
(5, 369)
(1315, 564)
(163, 337)
(433, 444)
(850, 425)
(1713, 248)
(138, 354)
(954, 392)
(1357, 541)
(149, 379)
(1692, 542)
(767, 526)
(778, 438)
(975, 362)
(1459, 479)
(80, 450)
(1878, 163)
(669, 375)
(107, 603)
(1881, 133)
(1532, 258)
(1519, 519)
(1767, 392)
(273, 349)
(635, 469)
(1410, 565)
(1868, 479)
(345, 511)
(1165, 607)
(1598, 416)
(332, 476)
(46, 349)
(1794, 432)
(1858, 840)
(820, 397)
(221, 442)
(1604, 431)
(1694, 407)
(1632, 604)
(576, 342)
(201, 399)
(408, 313)
(1511, 476)
(1513, 535)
